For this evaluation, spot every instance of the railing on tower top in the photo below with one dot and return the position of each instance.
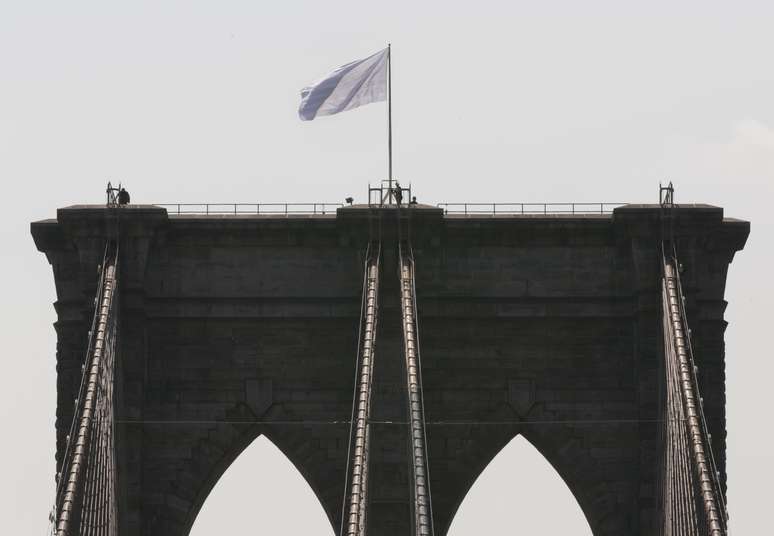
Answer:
(529, 208)
(390, 193)
(250, 208)
(379, 198)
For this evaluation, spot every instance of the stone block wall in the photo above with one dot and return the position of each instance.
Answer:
(232, 327)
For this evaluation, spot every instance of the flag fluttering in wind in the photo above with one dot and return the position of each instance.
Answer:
(354, 84)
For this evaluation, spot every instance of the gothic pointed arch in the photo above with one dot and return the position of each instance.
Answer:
(518, 488)
(261, 488)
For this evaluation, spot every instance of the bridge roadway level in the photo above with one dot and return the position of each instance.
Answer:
(236, 326)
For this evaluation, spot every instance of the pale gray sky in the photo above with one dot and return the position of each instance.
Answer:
(493, 101)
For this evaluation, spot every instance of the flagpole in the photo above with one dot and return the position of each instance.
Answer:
(389, 119)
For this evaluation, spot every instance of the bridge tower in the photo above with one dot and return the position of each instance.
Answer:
(390, 353)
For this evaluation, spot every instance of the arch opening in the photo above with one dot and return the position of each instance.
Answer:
(261, 491)
(519, 488)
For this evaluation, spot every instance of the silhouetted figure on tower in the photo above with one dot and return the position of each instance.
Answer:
(398, 193)
(123, 197)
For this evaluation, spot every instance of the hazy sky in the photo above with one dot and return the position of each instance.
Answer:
(493, 101)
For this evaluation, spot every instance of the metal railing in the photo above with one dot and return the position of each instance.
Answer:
(529, 208)
(330, 208)
(250, 208)
(387, 195)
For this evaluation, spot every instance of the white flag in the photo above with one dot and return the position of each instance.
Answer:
(349, 86)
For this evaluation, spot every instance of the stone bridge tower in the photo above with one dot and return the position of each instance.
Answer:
(236, 326)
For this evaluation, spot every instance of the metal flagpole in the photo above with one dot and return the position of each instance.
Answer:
(389, 119)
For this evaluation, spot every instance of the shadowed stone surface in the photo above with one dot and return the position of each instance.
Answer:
(236, 326)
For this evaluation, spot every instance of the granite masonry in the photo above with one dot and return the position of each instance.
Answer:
(236, 326)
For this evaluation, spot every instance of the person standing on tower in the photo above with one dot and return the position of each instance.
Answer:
(398, 193)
